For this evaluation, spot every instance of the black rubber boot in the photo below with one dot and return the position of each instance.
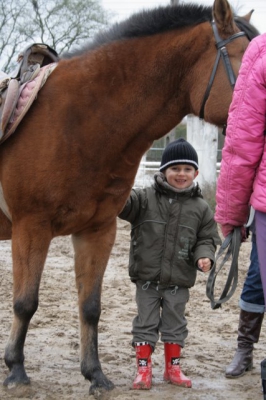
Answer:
(248, 334)
(263, 378)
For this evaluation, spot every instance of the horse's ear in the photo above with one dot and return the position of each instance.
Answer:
(247, 17)
(223, 16)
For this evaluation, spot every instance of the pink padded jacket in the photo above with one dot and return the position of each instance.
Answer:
(242, 180)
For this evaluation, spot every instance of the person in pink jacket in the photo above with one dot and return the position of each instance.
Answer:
(242, 180)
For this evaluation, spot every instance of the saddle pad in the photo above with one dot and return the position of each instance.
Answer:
(28, 93)
(10, 103)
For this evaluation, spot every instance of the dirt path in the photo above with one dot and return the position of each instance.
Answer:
(52, 345)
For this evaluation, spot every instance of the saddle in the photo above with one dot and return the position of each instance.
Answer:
(19, 89)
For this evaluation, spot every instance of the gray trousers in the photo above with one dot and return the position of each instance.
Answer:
(161, 311)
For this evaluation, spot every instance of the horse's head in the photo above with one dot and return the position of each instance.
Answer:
(230, 38)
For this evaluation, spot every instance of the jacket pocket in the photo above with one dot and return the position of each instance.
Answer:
(146, 250)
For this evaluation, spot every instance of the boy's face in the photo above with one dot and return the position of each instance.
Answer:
(180, 176)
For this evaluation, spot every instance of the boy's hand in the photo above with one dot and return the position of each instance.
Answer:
(204, 264)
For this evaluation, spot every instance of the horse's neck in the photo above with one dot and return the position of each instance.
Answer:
(133, 92)
(146, 81)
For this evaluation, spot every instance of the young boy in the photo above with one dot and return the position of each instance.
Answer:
(173, 234)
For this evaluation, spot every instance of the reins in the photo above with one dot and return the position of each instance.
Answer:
(229, 248)
(221, 53)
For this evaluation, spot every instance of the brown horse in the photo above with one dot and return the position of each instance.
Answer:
(71, 164)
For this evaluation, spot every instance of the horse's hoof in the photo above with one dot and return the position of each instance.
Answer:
(17, 377)
(97, 390)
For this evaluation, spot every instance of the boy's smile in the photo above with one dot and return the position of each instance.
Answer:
(180, 176)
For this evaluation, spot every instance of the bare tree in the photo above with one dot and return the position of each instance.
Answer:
(58, 23)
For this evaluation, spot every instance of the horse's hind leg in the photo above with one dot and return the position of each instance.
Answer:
(30, 243)
(92, 251)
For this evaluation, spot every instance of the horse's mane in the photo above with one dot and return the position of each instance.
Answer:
(158, 20)
(149, 22)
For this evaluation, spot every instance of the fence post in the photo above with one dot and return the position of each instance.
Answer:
(204, 138)
(140, 177)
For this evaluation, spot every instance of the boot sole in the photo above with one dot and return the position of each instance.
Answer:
(140, 387)
(229, 376)
(185, 385)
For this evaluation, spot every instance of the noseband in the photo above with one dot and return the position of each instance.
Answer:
(221, 53)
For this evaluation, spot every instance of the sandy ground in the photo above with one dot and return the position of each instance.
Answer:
(52, 345)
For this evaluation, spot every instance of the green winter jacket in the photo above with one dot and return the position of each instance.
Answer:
(170, 231)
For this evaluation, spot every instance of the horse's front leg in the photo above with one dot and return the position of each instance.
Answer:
(30, 245)
(5, 227)
(92, 251)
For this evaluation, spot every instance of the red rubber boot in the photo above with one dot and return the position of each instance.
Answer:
(173, 373)
(144, 372)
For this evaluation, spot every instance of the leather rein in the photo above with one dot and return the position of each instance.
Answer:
(228, 250)
(221, 53)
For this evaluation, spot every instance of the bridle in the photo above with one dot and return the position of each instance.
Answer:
(221, 53)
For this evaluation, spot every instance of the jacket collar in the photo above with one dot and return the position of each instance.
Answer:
(161, 185)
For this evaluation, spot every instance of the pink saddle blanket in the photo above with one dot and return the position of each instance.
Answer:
(23, 101)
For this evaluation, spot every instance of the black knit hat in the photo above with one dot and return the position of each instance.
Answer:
(179, 152)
